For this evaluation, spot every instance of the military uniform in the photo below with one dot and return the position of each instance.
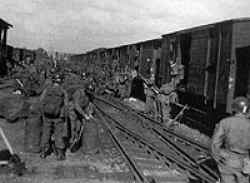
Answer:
(123, 87)
(230, 146)
(150, 101)
(60, 128)
(77, 111)
(177, 73)
(165, 98)
(30, 78)
(90, 139)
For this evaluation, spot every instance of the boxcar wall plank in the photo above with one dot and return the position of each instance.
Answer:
(217, 70)
(165, 56)
(208, 56)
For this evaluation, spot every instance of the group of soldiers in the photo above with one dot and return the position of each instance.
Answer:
(59, 97)
(159, 102)
(61, 100)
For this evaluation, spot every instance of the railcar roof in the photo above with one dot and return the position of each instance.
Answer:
(4, 24)
(136, 43)
(203, 27)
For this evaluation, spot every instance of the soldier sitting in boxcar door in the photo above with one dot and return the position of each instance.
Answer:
(231, 144)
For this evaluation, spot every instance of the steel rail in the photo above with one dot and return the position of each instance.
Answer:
(186, 140)
(182, 153)
(187, 157)
(131, 163)
(171, 159)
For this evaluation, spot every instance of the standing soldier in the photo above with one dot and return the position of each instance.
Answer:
(150, 99)
(54, 101)
(231, 144)
(123, 91)
(33, 82)
(165, 98)
(176, 72)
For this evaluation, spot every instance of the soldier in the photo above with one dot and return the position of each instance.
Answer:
(150, 99)
(77, 111)
(176, 72)
(32, 80)
(231, 144)
(165, 98)
(123, 87)
(137, 86)
(111, 87)
(54, 101)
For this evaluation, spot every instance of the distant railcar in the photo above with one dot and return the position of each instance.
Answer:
(4, 26)
(20, 54)
(146, 55)
(216, 59)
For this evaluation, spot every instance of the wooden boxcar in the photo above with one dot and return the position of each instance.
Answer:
(145, 54)
(216, 59)
(4, 26)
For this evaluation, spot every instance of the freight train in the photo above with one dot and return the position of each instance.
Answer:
(215, 59)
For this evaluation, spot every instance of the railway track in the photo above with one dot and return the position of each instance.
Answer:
(145, 165)
(181, 148)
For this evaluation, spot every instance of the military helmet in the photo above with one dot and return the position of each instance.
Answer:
(240, 105)
(57, 78)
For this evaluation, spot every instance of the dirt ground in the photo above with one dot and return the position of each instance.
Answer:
(76, 168)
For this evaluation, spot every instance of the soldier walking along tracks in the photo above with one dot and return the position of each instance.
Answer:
(231, 144)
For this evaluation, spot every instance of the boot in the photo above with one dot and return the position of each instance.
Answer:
(45, 152)
(60, 155)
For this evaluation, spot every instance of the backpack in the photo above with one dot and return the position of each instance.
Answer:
(53, 102)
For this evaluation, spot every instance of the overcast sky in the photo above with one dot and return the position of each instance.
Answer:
(79, 25)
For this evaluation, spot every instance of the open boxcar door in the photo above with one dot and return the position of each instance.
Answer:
(242, 86)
